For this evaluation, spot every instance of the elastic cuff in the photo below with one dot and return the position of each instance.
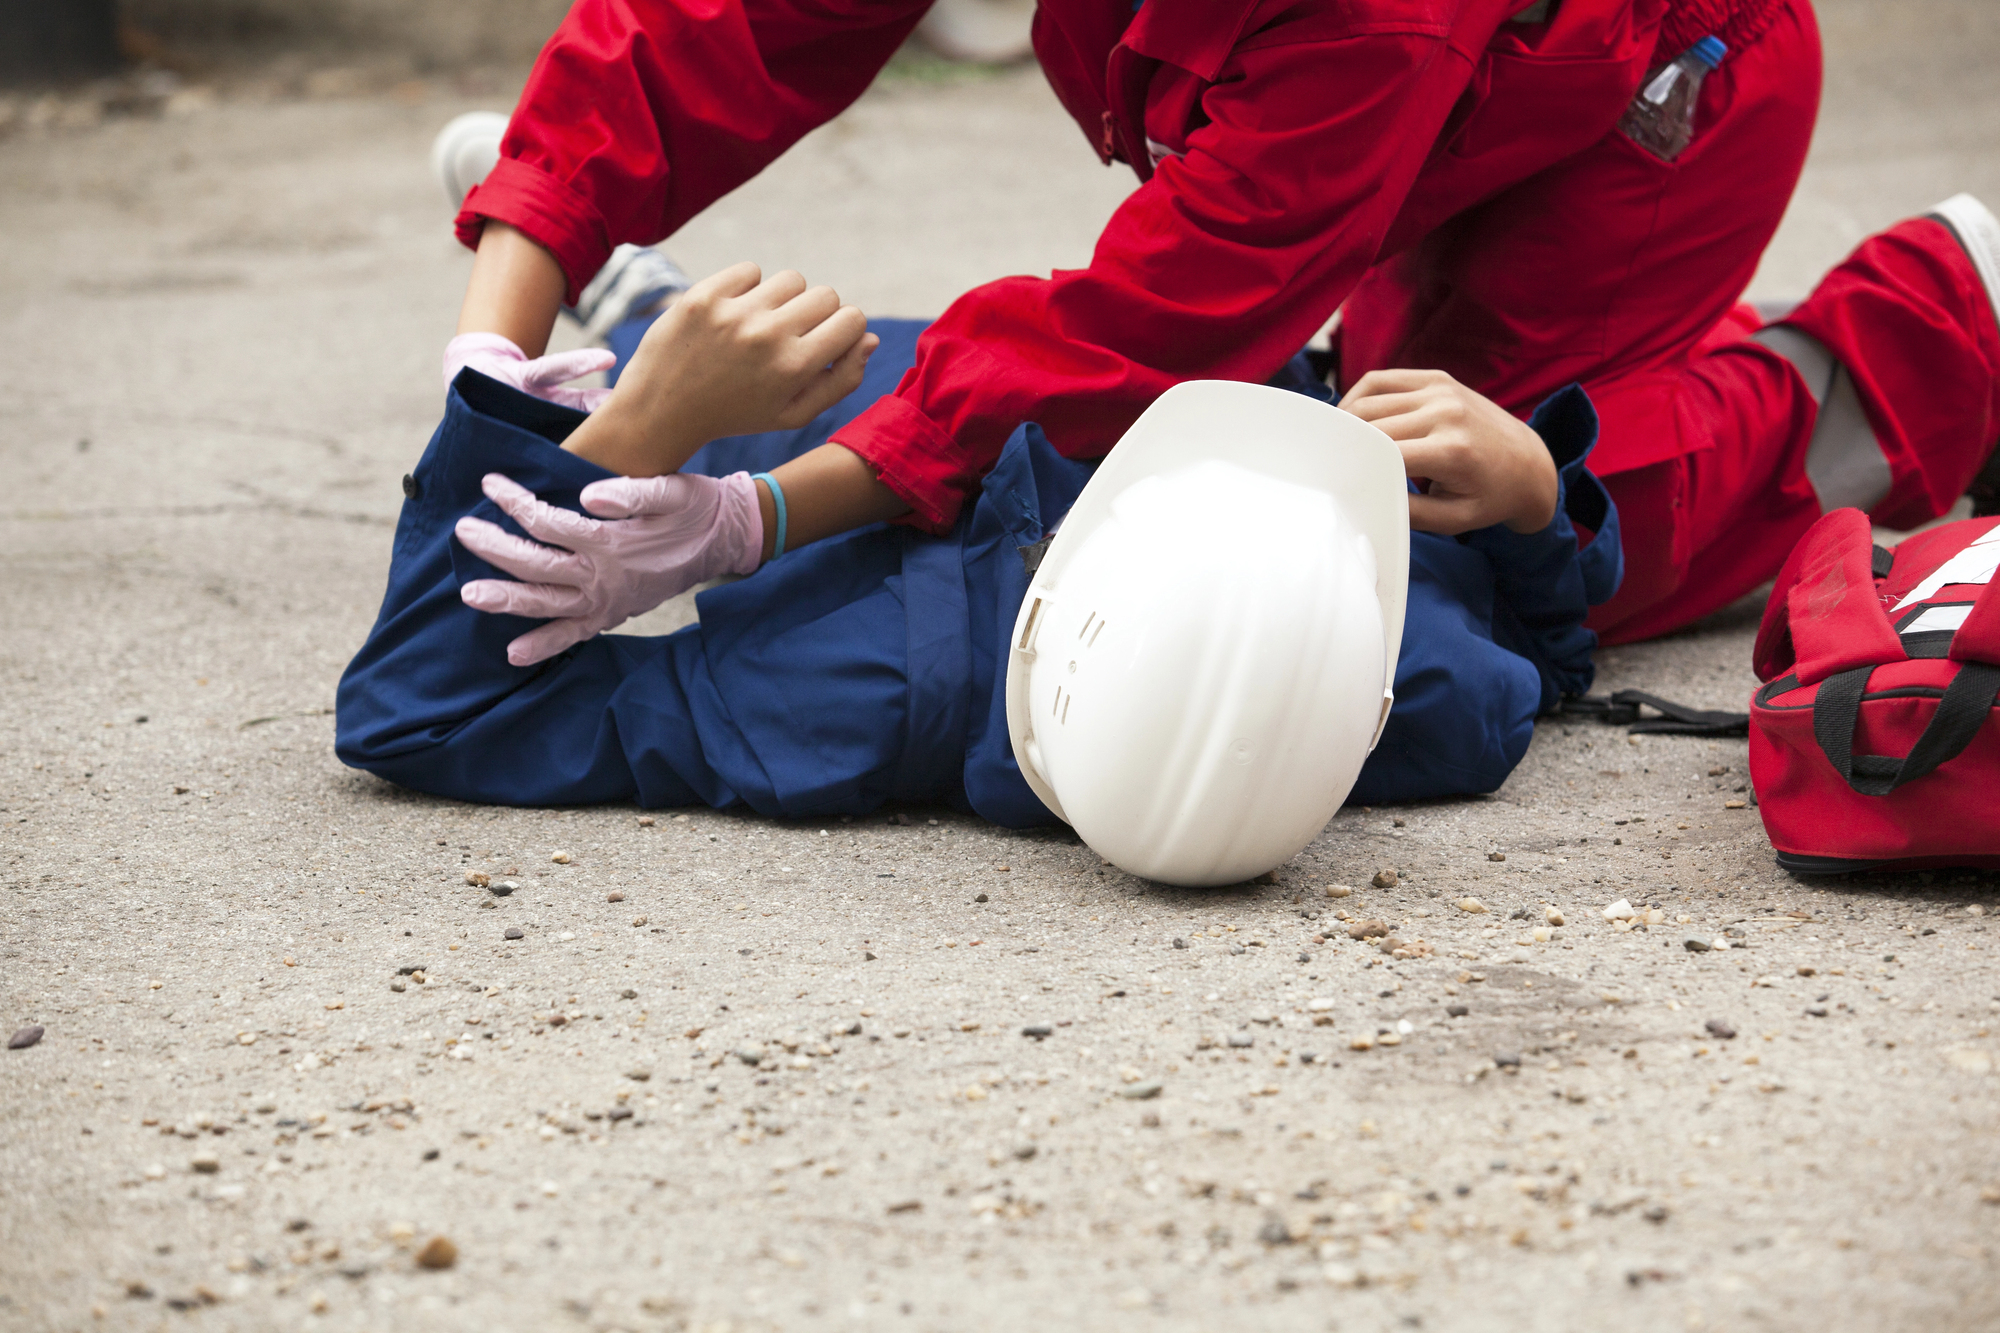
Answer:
(463, 349)
(914, 457)
(739, 499)
(1568, 424)
(547, 212)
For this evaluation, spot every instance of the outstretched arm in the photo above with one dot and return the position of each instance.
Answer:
(1234, 251)
(515, 289)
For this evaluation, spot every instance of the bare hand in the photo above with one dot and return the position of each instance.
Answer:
(1484, 465)
(738, 353)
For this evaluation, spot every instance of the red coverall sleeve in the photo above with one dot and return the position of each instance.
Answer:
(641, 113)
(1221, 266)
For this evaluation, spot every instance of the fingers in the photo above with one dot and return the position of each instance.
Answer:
(1377, 382)
(1387, 407)
(1407, 427)
(537, 601)
(583, 400)
(733, 281)
(551, 524)
(518, 556)
(807, 311)
(545, 641)
(623, 497)
(1447, 514)
(1453, 462)
(838, 335)
(545, 372)
(830, 385)
(776, 290)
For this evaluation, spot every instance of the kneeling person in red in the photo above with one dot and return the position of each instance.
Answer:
(1524, 194)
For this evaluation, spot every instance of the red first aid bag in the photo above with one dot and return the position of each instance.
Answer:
(1874, 742)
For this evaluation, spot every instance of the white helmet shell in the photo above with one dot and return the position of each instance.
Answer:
(1204, 657)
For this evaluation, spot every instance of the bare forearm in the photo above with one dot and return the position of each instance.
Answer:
(515, 290)
(829, 490)
(621, 440)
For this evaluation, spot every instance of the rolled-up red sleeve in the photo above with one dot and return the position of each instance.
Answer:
(1220, 266)
(641, 113)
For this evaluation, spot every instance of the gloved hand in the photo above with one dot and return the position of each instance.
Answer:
(499, 358)
(664, 535)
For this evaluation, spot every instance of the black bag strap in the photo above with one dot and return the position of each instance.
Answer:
(1622, 710)
(1960, 714)
(1681, 720)
(1596, 707)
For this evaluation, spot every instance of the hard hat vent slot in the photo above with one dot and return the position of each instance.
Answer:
(1094, 633)
(1088, 621)
(1060, 709)
(1028, 628)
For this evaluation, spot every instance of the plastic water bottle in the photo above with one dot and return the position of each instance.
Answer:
(1661, 117)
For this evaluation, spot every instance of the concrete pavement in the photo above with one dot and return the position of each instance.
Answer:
(782, 1082)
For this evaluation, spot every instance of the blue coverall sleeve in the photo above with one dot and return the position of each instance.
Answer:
(1494, 632)
(430, 701)
(1544, 583)
(793, 696)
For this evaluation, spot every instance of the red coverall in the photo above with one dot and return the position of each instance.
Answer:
(1454, 179)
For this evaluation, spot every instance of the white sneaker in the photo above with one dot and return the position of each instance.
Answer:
(465, 150)
(1976, 229)
(635, 280)
(1974, 226)
(987, 32)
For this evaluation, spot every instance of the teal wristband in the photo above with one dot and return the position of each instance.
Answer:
(778, 500)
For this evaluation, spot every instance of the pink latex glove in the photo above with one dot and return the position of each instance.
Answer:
(499, 358)
(664, 535)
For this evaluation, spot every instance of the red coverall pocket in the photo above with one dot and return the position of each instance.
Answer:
(1533, 111)
(1711, 108)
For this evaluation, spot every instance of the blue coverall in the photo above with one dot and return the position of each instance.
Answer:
(870, 666)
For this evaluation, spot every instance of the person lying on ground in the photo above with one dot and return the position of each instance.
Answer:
(851, 669)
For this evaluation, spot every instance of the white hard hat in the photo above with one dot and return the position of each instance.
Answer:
(1206, 653)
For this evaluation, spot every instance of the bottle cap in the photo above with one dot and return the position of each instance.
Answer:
(1709, 51)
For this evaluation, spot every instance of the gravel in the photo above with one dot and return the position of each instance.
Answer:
(217, 552)
(438, 1252)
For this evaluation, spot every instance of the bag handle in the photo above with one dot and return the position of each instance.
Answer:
(1823, 617)
(1960, 714)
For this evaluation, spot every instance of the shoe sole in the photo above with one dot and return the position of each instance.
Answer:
(1977, 232)
(465, 150)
